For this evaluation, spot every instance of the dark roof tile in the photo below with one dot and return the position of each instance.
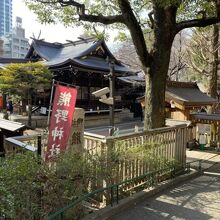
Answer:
(56, 54)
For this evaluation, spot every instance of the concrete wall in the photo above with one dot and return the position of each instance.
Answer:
(37, 121)
(90, 120)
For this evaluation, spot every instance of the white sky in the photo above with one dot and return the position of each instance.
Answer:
(51, 33)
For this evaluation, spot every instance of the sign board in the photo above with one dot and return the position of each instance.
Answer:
(61, 120)
(76, 139)
(203, 128)
(43, 110)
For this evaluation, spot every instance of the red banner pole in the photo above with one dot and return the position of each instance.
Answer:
(50, 105)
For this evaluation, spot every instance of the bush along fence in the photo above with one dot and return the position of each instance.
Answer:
(117, 166)
(150, 179)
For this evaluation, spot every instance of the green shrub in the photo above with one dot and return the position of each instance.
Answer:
(31, 189)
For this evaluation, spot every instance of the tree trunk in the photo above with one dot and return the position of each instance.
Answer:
(154, 94)
(164, 26)
(213, 77)
(154, 103)
(213, 81)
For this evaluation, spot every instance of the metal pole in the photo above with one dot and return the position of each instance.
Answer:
(50, 106)
(39, 145)
(112, 94)
(112, 196)
(117, 194)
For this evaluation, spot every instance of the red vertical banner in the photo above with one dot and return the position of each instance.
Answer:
(1, 101)
(61, 120)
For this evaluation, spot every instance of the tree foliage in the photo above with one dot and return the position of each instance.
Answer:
(165, 18)
(20, 78)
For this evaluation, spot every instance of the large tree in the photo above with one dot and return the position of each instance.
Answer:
(165, 17)
(25, 79)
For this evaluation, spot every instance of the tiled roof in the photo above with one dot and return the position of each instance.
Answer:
(187, 93)
(78, 52)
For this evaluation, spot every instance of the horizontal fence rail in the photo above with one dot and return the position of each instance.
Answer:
(115, 190)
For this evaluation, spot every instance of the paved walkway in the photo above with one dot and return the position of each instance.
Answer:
(209, 158)
(196, 199)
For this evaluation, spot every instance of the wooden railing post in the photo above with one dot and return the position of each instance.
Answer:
(109, 146)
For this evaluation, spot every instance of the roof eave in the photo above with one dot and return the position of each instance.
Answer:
(74, 61)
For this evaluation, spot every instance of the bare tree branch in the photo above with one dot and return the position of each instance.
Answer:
(102, 19)
(195, 67)
(203, 45)
(197, 23)
(150, 15)
(204, 57)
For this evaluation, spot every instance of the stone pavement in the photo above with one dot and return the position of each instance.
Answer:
(198, 198)
(209, 158)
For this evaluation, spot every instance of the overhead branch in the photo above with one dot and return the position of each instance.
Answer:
(62, 3)
(136, 32)
(203, 22)
(102, 19)
(70, 3)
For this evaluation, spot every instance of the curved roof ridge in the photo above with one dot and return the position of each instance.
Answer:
(46, 43)
(81, 41)
(182, 84)
(90, 49)
(59, 45)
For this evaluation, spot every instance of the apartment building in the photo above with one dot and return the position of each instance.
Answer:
(5, 17)
(15, 43)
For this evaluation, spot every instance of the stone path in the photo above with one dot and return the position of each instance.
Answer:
(195, 199)
(208, 158)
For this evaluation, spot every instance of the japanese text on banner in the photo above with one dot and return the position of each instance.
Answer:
(61, 120)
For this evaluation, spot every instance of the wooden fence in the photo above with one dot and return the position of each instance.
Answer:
(170, 145)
